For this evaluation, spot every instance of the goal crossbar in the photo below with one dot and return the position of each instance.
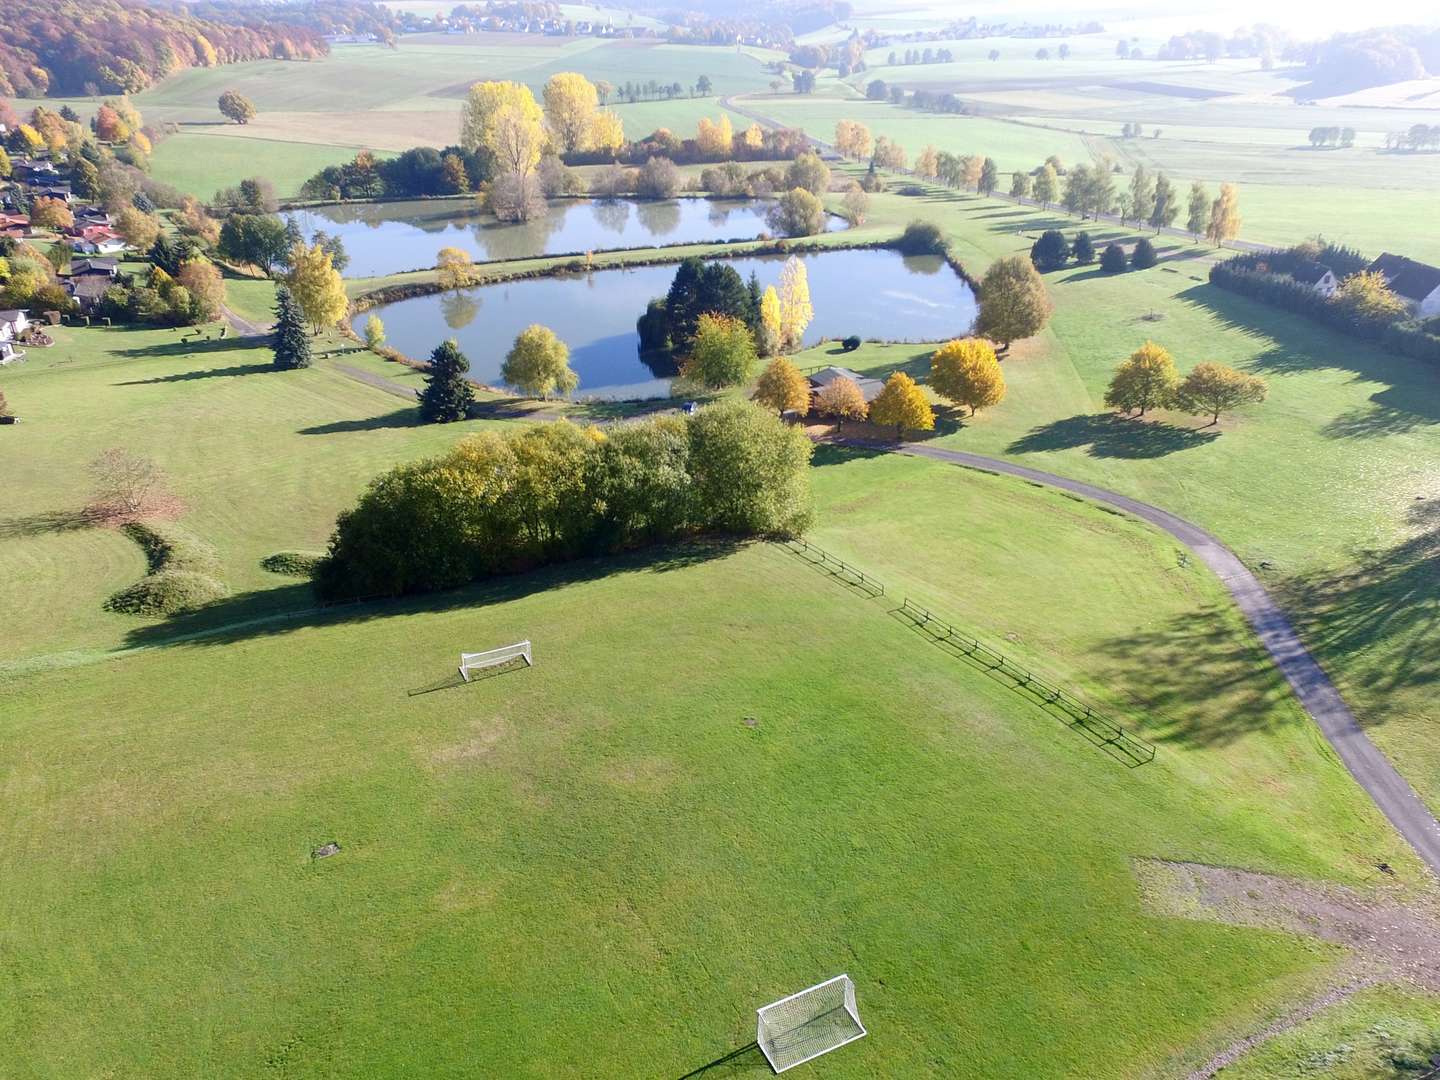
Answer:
(814, 1021)
(474, 661)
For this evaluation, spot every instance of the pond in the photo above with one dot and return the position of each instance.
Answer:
(392, 237)
(870, 293)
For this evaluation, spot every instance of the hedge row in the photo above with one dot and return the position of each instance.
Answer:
(182, 573)
(1241, 275)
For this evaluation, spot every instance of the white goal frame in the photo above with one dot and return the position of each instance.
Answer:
(474, 661)
(824, 1015)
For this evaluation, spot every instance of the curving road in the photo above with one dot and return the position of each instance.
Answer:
(1371, 768)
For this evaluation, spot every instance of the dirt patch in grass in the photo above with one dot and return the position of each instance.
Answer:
(487, 734)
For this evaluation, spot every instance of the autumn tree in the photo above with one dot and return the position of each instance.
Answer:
(723, 353)
(109, 127)
(1198, 219)
(571, 104)
(796, 311)
(289, 340)
(842, 399)
(1146, 380)
(966, 372)
(769, 339)
(374, 332)
(887, 154)
(715, 140)
(989, 177)
(1013, 301)
(1166, 206)
(852, 139)
(1214, 388)
(138, 228)
(128, 487)
(903, 404)
(317, 286)
(927, 163)
(448, 395)
(1224, 223)
(1366, 297)
(202, 280)
(783, 388)
(503, 121)
(856, 203)
(1047, 185)
(538, 364)
(51, 214)
(1019, 185)
(607, 132)
(809, 172)
(454, 268)
(1142, 195)
(237, 107)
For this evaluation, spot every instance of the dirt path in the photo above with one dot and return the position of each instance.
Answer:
(379, 382)
(1371, 769)
(243, 326)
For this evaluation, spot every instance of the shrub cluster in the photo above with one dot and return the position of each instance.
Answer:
(922, 238)
(182, 573)
(506, 503)
(293, 563)
(1264, 276)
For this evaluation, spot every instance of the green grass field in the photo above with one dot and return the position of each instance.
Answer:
(536, 841)
(204, 163)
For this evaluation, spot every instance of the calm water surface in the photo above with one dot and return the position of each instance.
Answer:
(871, 293)
(392, 237)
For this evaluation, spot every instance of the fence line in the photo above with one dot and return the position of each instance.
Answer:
(1095, 724)
(836, 567)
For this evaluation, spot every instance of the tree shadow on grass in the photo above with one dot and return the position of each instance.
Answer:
(1195, 677)
(400, 418)
(47, 522)
(1390, 412)
(838, 453)
(276, 612)
(1386, 600)
(203, 373)
(1108, 435)
(190, 347)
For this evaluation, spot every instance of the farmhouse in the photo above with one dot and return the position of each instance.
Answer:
(1417, 283)
(1318, 276)
(869, 388)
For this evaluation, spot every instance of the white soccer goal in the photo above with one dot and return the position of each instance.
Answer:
(803, 1026)
(474, 661)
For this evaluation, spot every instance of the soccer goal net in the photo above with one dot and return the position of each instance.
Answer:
(815, 1021)
(474, 661)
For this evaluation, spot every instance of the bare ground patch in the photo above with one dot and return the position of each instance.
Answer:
(1391, 933)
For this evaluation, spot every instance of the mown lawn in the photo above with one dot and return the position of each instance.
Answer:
(602, 852)
(205, 163)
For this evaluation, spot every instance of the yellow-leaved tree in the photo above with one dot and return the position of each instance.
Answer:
(454, 267)
(1367, 296)
(1224, 216)
(770, 342)
(796, 311)
(504, 120)
(571, 102)
(927, 164)
(1214, 388)
(783, 388)
(966, 372)
(607, 132)
(754, 138)
(852, 139)
(1146, 380)
(841, 399)
(903, 404)
(316, 286)
(715, 140)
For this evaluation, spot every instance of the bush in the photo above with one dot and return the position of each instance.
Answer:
(169, 592)
(658, 179)
(922, 238)
(1084, 249)
(851, 343)
(507, 502)
(293, 563)
(1144, 257)
(1051, 251)
(796, 213)
(1112, 259)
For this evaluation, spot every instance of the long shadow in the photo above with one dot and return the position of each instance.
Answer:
(191, 347)
(46, 522)
(203, 373)
(745, 1059)
(455, 680)
(1108, 435)
(277, 612)
(400, 418)
(830, 453)
(1385, 596)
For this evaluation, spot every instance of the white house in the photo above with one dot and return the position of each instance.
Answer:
(1318, 276)
(1417, 283)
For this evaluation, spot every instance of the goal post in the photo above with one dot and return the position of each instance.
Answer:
(474, 661)
(805, 1025)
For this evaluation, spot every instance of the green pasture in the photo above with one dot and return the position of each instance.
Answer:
(554, 853)
(205, 163)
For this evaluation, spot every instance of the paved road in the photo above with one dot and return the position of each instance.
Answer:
(1372, 769)
(243, 326)
(379, 382)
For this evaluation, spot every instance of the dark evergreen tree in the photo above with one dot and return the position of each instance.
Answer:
(291, 343)
(699, 288)
(1051, 251)
(752, 316)
(1144, 257)
(170, 253)
(447, 395)
(1112, 259)
(1084, 249)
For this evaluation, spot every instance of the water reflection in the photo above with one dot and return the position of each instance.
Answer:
(460, 307)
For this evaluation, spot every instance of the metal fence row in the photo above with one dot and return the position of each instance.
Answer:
(819, 557)
(1097, 725)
